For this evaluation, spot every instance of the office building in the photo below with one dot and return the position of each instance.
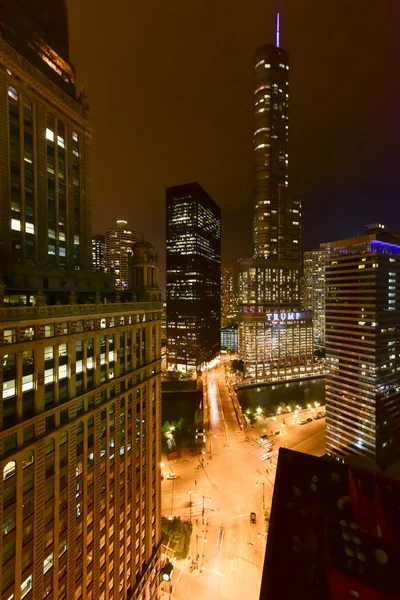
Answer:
(333, 532)
(119, 244)
(45, 138)
(313, 298)
(229, 338)
(193, 277)
(362, 347)
(228, 297)
(280, 346)
(99, 253)
(80, 392)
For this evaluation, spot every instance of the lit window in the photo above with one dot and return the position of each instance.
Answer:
(51, 250)
(26, 586)
(29, 228)
(12, 92)
(48, 563)
(62, 251)
(74, 136)
(60, 141)
(27, 383)
(75, 152)
(61, 236)
(49, 134)
(9, 470)
(16, 224)
(76, 240)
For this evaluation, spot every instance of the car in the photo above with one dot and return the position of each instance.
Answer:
(302, 422)
(171, 476)
(309, 420)
(253, 518)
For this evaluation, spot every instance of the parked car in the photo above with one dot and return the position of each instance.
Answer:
(253, 518)
(302, 422)
(171, 476)
(309, 420)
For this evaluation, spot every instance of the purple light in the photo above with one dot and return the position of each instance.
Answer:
(382, 246)
(277, 29)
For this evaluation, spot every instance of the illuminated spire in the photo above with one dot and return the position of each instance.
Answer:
(277, 29)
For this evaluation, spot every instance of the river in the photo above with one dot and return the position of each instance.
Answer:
(300, 392)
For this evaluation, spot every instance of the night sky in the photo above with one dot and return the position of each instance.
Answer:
(170, 92)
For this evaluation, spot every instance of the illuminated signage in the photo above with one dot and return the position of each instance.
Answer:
(284, 316)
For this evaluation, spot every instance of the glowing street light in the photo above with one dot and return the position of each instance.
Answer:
(259, 410)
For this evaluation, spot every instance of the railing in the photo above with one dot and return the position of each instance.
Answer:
(27, 313)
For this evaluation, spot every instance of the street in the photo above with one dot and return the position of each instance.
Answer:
(219, 495)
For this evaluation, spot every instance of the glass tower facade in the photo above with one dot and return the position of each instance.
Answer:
(277, 213)
(362, 348)
(270, 281)
(193, 277)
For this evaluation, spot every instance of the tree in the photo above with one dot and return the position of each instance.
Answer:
(237, 365)
(176, 534)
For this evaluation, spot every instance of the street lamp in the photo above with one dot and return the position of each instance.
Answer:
(263, 486)
(204, 498)
(259, 410)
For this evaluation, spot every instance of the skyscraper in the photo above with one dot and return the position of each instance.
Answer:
(275, 335)
(80, 391)
(314, 291)
(193, 277)
(99, 252)
(119, 243)
(45, 187)
(362, 347)
(228, 297)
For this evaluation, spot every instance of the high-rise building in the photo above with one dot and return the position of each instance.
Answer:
(275, 335)
(119, 244)
(99, 253)
(228, 297)
(193, 277)
(229, 338)
(314, 291)
(45, 139)
(80, 405)
(333, 532)
(362, 347)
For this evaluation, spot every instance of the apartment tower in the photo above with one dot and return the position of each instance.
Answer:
(119, 244)
(193, 277)
(99, 253)
(362, 347)
(313, 296)
(80, 384)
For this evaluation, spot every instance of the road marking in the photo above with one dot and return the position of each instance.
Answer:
(213, 571)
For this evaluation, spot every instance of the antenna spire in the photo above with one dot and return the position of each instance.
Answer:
(277, 29)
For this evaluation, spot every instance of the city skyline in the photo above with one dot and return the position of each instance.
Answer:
(328, 119)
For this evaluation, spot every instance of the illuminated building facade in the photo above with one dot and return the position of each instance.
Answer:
(99, 253)
(313, 298)
(228, 297)
(229, 338)
(270, 281)
(362, 347)
(45, 139)
(119, 244)
(193, 277)
(80, 408)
